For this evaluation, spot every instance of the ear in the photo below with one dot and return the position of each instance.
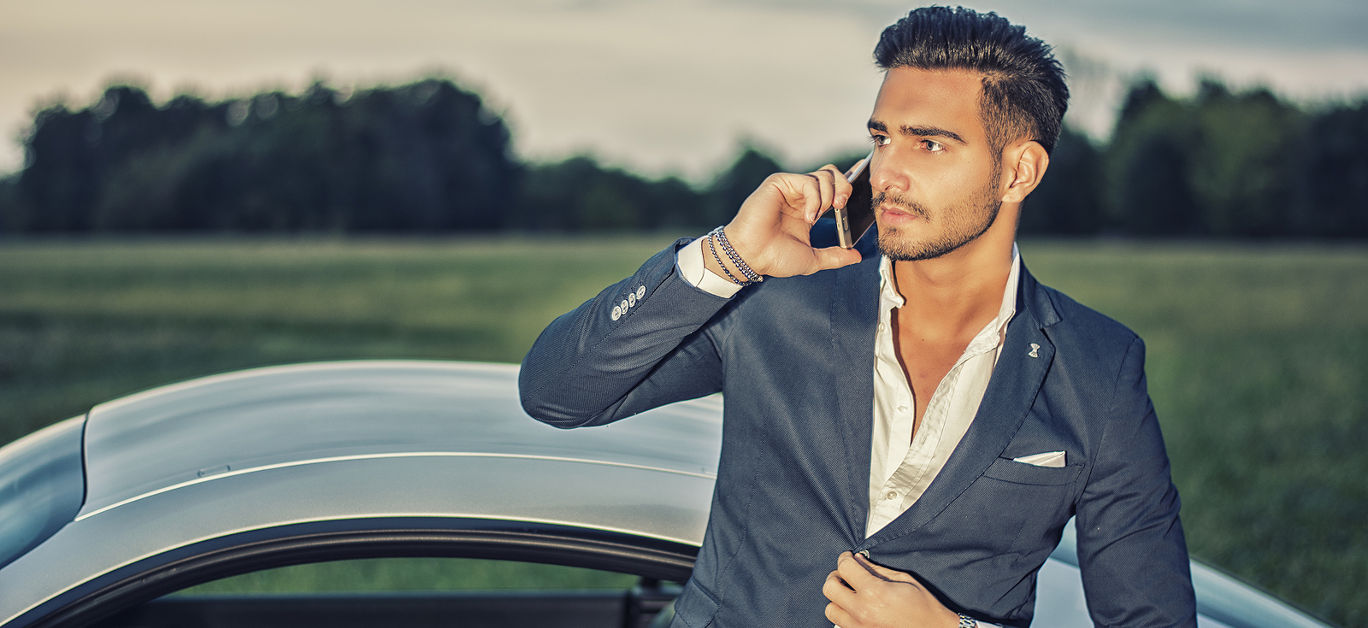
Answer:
(1024, 164)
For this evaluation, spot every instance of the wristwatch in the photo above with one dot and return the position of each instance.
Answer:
(967, 621)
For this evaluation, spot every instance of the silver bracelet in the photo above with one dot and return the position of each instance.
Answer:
(967, 621)
(713, 247)
(751, 276)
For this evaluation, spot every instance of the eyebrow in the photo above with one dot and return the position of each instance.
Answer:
(919, 131)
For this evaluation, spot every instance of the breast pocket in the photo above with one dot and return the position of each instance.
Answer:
(1012, 510)
(1009, 470)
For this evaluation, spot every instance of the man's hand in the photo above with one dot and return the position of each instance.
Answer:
(866, 595)
(770, 231)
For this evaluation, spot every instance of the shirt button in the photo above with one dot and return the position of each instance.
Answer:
(891, 495)
(902, 408)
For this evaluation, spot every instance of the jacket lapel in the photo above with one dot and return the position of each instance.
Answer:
(854, 315)
(1011, 391)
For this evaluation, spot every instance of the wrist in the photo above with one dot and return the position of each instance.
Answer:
(729, 260)
(716, 264)
(742, 240)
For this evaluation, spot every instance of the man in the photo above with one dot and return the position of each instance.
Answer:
(905, 434)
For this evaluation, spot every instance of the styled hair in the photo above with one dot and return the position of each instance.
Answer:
(1024, 95)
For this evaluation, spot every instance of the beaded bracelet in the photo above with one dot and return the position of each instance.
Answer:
(721, 236)
(713, 247)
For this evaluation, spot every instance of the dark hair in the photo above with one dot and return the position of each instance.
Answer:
(1024, 94)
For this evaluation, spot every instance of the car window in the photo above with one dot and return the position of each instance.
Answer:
(413, 575)
(410, 592)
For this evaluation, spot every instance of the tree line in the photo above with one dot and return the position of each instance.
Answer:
(431, 157)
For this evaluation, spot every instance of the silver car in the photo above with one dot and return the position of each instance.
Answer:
(105, 517)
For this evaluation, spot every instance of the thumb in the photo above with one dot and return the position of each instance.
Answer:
(835, 257)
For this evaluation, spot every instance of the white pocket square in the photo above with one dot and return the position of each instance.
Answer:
(1053, 459)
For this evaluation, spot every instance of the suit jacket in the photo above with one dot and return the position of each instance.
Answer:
(794, 360)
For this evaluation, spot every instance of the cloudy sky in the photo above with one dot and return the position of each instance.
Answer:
(661, 86)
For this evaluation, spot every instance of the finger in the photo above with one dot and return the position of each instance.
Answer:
(862, 573)
(836, 590)
(835, 257)
(839, 616)
(889, 574)
(802, 195)
(826, 189)
(843, 189)
(885, 573)
(855, 575)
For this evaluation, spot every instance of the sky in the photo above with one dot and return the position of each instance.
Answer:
(662, 87)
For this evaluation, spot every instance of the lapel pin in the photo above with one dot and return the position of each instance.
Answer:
(1034, 348)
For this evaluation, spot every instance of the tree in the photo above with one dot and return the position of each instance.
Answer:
(58, 183)
(1068, 200)
(11, 214)
(578, 194)
(425, 156)
(732, 186)
(1241, 172)
(1146, 167)
(1332, 181)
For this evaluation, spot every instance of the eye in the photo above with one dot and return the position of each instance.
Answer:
(932, 146)
(878, 140)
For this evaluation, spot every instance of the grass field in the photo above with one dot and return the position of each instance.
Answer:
(1258, 354)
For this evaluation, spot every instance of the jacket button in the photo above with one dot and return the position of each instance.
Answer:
(641, 292)
(617, 312)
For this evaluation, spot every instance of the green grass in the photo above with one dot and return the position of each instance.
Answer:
(1258, 354)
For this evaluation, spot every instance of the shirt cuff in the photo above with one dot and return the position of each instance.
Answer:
(692, 269)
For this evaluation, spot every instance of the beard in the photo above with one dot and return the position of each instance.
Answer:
(962, 223)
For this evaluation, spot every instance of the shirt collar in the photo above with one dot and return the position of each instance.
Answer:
(889, 297)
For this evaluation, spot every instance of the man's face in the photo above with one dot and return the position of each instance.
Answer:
(934, 177)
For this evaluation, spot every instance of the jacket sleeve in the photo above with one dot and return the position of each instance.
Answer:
(1131, 551)
(638, 344)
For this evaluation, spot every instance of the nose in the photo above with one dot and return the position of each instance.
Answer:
(885, 175)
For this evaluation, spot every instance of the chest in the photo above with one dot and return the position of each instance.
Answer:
(925, 358)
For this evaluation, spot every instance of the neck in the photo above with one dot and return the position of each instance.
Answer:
(961, 289)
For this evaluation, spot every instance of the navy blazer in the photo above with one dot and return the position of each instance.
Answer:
(794, 359)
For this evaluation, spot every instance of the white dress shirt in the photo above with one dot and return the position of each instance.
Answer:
(902, 464)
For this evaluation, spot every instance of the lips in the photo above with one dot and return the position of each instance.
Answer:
(895, 212)
(896, 209)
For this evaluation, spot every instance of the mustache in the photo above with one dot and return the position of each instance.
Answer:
(908, 205)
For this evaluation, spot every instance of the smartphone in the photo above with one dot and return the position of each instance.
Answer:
(855, 219)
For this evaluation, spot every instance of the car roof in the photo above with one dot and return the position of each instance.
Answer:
(268, 418)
